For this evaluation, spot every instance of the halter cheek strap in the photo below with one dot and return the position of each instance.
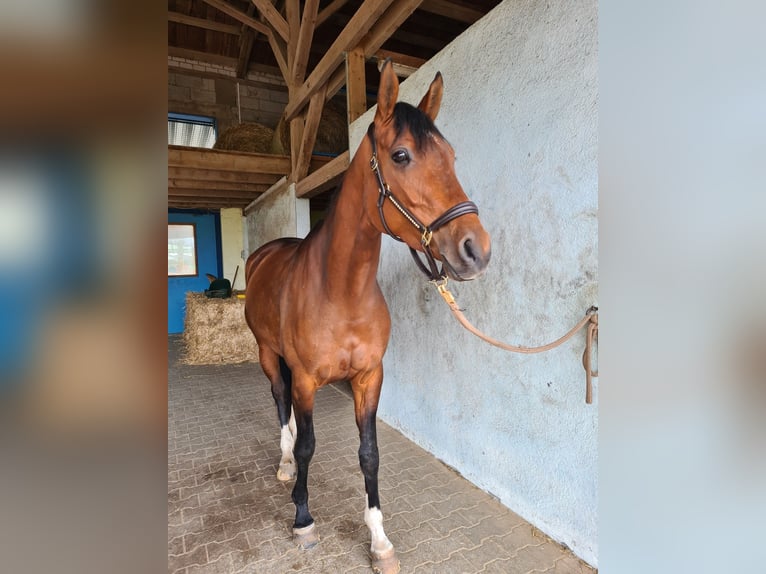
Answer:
(426, 231)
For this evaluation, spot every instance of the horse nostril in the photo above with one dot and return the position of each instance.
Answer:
(467, 250)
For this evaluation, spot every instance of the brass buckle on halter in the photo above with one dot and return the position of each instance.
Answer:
(425, 239)
(374, 163)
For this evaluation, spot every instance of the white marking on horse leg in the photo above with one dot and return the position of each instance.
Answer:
(380, 545)
(291, 424)
(287, 469)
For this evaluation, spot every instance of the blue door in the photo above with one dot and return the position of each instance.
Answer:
(207, 259)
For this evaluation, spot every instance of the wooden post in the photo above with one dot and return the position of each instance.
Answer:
(356, 93)
(296, 136)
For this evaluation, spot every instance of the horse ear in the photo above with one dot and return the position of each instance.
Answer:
(432, 101)
(388, 91)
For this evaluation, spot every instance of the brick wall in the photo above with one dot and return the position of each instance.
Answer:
(211, 90)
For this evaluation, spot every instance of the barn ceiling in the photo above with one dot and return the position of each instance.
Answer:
(246, 34)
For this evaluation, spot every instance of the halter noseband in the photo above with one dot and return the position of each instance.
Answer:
(426, 231)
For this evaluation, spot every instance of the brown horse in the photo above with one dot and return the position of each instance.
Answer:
(315, 306)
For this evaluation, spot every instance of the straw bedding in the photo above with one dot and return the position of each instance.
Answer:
(215, 332)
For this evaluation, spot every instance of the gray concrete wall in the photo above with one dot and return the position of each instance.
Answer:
(277, 213)
(520, 108)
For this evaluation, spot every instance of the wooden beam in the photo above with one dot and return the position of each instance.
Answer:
(296, 137)
(218, 186)
(293, 13)
(360, 23)
(328, 11)
(356, 87)
(246, 41)
(323, 178)
(401, 59)
(394, 17)
(239, 16)
(310, 129)
(215, 194)
(279, 49)
(273, 17)
(201, 56)
(451, 10)
(203, 23)
(199, 204)
(219, 176)
(180, 156)
(303, 42)
(385, 27)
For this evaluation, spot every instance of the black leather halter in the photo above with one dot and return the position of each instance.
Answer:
(426, 231)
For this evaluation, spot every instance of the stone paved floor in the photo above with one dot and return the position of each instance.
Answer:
(227, 513)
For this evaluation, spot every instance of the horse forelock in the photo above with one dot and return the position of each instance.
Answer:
(407, 116)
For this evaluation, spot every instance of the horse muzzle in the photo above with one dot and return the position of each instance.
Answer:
(468, 257)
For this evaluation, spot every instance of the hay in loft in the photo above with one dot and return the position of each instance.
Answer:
(215, 332)
(332, 134)
(248, 137)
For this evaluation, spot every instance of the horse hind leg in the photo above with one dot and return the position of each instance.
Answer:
(287, 469)
(281, 381)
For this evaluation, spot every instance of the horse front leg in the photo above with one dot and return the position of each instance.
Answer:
(366, 388)
(304, 529)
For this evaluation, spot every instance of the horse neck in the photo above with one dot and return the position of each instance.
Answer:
(353, 242)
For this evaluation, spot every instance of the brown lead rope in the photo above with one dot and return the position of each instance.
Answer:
(590, 319)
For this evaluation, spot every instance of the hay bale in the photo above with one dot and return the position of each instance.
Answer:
(249, 137)
(215, 332)
(332, 134)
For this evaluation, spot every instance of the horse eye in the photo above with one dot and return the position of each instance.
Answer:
(400, 156)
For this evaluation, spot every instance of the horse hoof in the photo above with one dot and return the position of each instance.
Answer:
(286, 472)
(385, 562)
(306, 537)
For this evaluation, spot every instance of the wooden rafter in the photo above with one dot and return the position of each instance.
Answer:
(203, 23)
(452, 10)
(240, 16)
(387, 24)
(401, 59)
(323, 178)
(371, 43)
(293, 13)
(328, 11)
(279, 49)
(303, 42)
(296, 137)
(310, 128)
(361, 22)
(201, 56)
(246, 41)
(273, 17)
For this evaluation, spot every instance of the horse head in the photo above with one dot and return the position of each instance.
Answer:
(419, 199)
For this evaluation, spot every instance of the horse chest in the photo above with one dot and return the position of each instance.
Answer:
(337, 359)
